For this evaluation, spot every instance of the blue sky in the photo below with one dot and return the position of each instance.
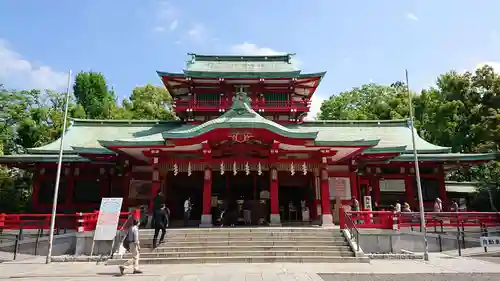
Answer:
(356, 42)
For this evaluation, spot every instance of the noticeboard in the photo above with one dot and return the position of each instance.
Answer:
(107, 222)
(491, 241)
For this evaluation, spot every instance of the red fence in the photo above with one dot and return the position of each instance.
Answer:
(79, 221)
(393, 220)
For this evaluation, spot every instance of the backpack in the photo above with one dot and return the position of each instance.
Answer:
(126, 243)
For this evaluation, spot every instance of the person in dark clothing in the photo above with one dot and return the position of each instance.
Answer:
(157, 202)
(161, 223)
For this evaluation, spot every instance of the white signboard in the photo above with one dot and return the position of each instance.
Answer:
(392, 185)
(107, 222)
(368, 203)
(491, 241)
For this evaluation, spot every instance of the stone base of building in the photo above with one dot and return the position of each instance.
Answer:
(327, 220)
(275, 220)
(206, 220)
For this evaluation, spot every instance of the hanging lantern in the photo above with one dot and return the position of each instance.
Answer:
(274, 174)
(222, 168)
(292, 169)
(208, 174)
(235, 171)
(247, 169)
(259, 169)
(324, 174)
(176, 169)
(304, 168)
(189, 169)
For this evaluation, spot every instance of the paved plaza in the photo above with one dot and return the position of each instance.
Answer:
(441, 267)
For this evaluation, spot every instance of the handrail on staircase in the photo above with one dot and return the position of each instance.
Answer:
(351, 227)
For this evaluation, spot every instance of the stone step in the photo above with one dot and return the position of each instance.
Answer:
(246, 259)
(229, 248)
(245, 238)
(209, 243)
(170, 233)
(247, 230)
(242, 254)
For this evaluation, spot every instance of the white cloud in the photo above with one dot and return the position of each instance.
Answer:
(412, 17)
(166, 17)
(495, 65)
(17, 72)
(316, 102)
(250, 49)
(174, 25)
(198, 32)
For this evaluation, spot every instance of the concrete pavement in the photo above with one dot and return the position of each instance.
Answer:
(441, 267)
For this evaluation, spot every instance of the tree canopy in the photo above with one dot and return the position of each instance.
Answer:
(31, 118)
(461, 111)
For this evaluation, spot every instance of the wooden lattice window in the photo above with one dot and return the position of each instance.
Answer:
(208, 99)
(276, 99)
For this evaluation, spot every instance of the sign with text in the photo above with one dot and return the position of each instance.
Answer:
(107, 222)
(491, 241)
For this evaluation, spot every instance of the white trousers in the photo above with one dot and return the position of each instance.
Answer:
(134, 261)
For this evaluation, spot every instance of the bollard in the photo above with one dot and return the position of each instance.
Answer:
(80, 222)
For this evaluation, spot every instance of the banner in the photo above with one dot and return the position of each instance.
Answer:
(107, 222)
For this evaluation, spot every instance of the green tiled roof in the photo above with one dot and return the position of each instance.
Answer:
(87, 133)
(393, 134)
(232, 74)
(91, 136)
(40, 158)
(438, 157)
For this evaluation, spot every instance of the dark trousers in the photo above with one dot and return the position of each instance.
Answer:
(187, 216)
(155, 237)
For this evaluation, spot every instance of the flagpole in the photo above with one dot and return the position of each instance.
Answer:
(58, 174)
(417, 173)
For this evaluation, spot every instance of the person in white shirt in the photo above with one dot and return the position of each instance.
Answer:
(438, 205)
(187, 211)
(133, 239)
(398, 207)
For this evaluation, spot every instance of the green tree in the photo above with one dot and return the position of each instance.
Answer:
(149, 102)
(92, 93)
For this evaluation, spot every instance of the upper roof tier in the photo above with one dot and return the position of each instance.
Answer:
(251, 64)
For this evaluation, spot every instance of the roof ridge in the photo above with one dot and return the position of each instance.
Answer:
(77, 121)
(403, 122)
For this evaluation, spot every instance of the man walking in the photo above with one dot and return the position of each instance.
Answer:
(187, 211)
(133, 240)
(157, 203)
(161, 223)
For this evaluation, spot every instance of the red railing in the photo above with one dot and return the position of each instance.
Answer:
(79, 221)
(393, 220)
(215, 105)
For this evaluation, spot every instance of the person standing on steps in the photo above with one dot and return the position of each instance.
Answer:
(157, 203)
(161, 222)
(187, 211)
(133, 240)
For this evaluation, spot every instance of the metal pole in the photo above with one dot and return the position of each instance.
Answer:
(417, 173)
(58, 174)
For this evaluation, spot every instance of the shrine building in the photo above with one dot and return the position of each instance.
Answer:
(241, 138)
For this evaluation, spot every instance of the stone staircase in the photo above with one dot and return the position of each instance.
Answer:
(246, 245)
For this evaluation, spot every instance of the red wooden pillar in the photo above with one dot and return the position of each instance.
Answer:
(442, 188)
(316, 201)
(410, 190)
(326, 217)
(70, 185)
(155, 183)
(273, 192)
(354, 185)
(206, 217)
(376, 190)
(36, 186)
